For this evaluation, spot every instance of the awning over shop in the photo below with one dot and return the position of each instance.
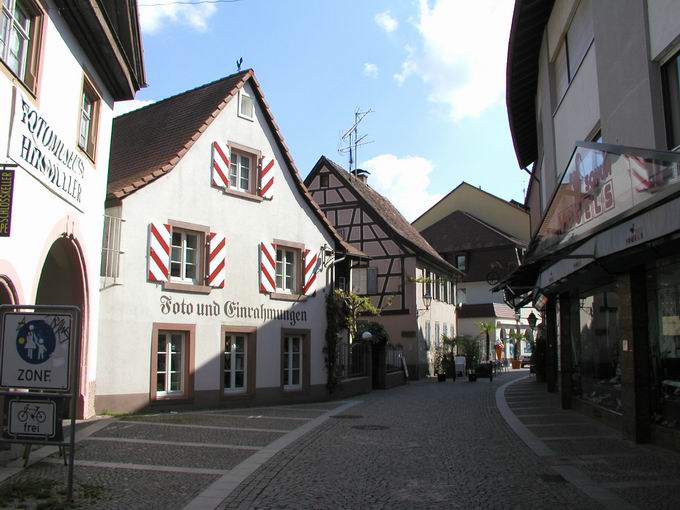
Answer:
(608, 200)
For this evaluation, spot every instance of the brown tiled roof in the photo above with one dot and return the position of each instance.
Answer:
(147, 143)
(385, 210)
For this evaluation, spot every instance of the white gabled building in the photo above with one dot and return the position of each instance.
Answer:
(63, 64)
(217, 260)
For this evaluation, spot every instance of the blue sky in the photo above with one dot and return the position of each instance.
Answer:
(432, 71)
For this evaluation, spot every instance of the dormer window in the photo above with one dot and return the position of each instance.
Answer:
(245, 105)
(461, 262)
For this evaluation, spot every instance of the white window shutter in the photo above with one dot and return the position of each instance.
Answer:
(266, 172)
(267, 267)
(219, 163)
(159, 252)
(217, 260)
(310, 267)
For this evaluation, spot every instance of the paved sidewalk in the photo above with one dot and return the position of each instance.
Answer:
(616, 473)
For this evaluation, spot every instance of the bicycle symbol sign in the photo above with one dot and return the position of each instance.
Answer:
(32, 418)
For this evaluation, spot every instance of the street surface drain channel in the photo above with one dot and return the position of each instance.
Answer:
(370, 427)
(346, 416)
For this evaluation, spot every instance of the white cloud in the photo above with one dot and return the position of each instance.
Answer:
(385, 21)
(404, 181)
(370, 70)
(123, 107)
(154, 15)
(462, 53)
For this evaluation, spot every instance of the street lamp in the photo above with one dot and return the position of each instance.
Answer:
(427, 299)
(532, 319)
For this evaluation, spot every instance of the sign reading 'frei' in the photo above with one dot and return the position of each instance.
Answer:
(36, 350)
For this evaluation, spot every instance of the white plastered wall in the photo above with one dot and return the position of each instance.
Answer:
(185, 194)
(39, 216)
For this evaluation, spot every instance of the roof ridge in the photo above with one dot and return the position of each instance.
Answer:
(179, 94)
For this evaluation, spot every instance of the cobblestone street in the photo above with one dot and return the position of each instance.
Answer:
(504, 444)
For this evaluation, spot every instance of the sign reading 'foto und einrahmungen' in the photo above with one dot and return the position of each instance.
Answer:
(48, 155)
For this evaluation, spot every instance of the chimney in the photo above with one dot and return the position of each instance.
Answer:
(362, 175)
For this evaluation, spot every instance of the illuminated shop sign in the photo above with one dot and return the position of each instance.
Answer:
(47, 154)
(231, 310)
(602, 183)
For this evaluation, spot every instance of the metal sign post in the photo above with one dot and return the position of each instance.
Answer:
(40, 355)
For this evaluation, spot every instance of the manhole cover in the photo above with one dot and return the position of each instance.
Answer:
(552, 478)
(346, 416)
(370, 427)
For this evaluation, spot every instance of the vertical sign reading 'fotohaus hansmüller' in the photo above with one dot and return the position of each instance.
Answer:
(36, 351)
(47, 154)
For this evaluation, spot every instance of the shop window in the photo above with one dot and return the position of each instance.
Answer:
(292, 362)
(235, 362)
(20, 27)
(185, 256)
(597, 353)
(664, 325)
(172, 359)
(241, 171)
(89, 119)
(287, 271)
(671, 84)
(573, 50)
(246, 108)
(461, 262)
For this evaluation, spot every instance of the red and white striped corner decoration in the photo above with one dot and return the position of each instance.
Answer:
(159, 252)
(267, 267)
(220, 165)
(310, 262)
(217, 260)
(266, 171)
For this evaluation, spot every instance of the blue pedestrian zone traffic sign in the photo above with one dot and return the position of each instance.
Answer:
(36, 350)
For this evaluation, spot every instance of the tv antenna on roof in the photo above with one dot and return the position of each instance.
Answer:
(353, 140)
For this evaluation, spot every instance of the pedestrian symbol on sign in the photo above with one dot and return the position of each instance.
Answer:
(35, 342)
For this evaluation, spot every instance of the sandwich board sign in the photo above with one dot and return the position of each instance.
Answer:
(36, 350)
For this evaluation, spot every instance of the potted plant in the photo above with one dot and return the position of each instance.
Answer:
(437, 364)
(471, 350)
(516, 337)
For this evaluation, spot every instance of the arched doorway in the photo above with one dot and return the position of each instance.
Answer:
(63, 282)
(8, 295)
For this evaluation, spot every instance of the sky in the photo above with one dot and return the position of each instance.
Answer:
(432, 72)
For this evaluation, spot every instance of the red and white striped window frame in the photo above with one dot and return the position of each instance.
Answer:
(274, 270)
(167, 253)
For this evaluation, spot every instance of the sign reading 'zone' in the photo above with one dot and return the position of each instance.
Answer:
(36, 350)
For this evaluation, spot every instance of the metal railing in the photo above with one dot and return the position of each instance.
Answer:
(351, 360)
(393, 356)
(110, 265)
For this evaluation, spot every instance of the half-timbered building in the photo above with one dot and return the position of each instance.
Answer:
(216, 259)
(405, 277)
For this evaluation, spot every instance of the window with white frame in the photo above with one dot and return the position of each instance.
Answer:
(235, 362)
(437, 338)
(286, 270)
(89, 119)
(110, 265)
(461, 262)
(185, 256)
(445, 330)
(427, 287)
(292, 362)
(170, 363)
(246, 108)
(428, 334)
(241, 171)
(365, 280)
(20, 22)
